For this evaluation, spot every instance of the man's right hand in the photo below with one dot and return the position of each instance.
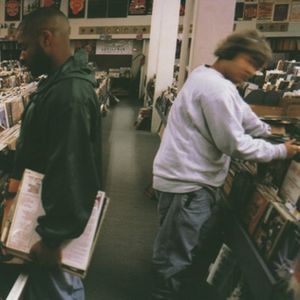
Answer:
(45, 256)
(291, 148)
(7, 204)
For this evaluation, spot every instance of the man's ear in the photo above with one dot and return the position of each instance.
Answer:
(45, 39)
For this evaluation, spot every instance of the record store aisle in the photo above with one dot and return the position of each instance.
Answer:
(120, 268)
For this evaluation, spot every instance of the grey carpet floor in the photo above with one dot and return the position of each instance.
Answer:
(121, 266)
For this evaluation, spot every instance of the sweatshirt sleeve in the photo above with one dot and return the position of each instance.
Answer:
(71, 176)
(224, 121)
(252, 124)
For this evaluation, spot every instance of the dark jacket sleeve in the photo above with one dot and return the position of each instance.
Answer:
(71, 174)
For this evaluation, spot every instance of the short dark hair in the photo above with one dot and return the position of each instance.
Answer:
(39, 19)
(250, 42)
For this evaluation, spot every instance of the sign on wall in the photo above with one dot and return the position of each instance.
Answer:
(115, 47)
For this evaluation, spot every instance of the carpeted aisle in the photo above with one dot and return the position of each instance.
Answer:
(120, 268)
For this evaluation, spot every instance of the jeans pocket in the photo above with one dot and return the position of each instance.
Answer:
(212, 192)
(188, 199)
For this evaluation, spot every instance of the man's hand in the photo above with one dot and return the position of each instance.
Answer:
(7, 204)
(291, 148)
(45, 256)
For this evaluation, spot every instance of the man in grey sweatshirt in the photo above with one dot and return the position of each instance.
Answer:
(208, 124)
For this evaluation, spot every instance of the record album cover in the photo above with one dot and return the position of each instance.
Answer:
(281, 12)
(76, 8)
(12, 10)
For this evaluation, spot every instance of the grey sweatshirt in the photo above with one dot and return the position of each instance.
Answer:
(208, 124)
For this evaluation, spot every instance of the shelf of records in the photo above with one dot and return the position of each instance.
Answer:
(285, 78)
(284, 44)
(273, 93)
(263, 12)
(162, 105)
(12, 74)
(12, 103)
(164, 102)
(144, 118)
(264, 227)
(120, 80)
(122, 72)
(274, 105)
(149, 93)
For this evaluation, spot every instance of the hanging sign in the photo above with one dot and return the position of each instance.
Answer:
(114, 47)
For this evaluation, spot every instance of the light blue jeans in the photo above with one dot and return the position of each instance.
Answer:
(53, 285)
(188, 238)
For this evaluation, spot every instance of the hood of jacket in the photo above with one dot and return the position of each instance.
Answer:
(75, 67)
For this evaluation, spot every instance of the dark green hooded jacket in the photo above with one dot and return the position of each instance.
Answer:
(60, 137)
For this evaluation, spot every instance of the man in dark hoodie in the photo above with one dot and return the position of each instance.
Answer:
(60, 137)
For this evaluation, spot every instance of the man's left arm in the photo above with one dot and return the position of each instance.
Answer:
(71, 176)
(252, 124)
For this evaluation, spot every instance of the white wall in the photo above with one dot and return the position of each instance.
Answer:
(212, 22)
(162, 48)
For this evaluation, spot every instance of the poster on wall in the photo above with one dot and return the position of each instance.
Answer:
(250, 11)
(239, 11)
(50, 3)
(264, 11)
(295, 11)
(281, 12)
(76, 8)
(29, 6)
(137, 7)
(12, 10)
(121, 47)
(97, 8)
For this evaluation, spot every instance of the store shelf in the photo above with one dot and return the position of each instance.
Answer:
(257, 274)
